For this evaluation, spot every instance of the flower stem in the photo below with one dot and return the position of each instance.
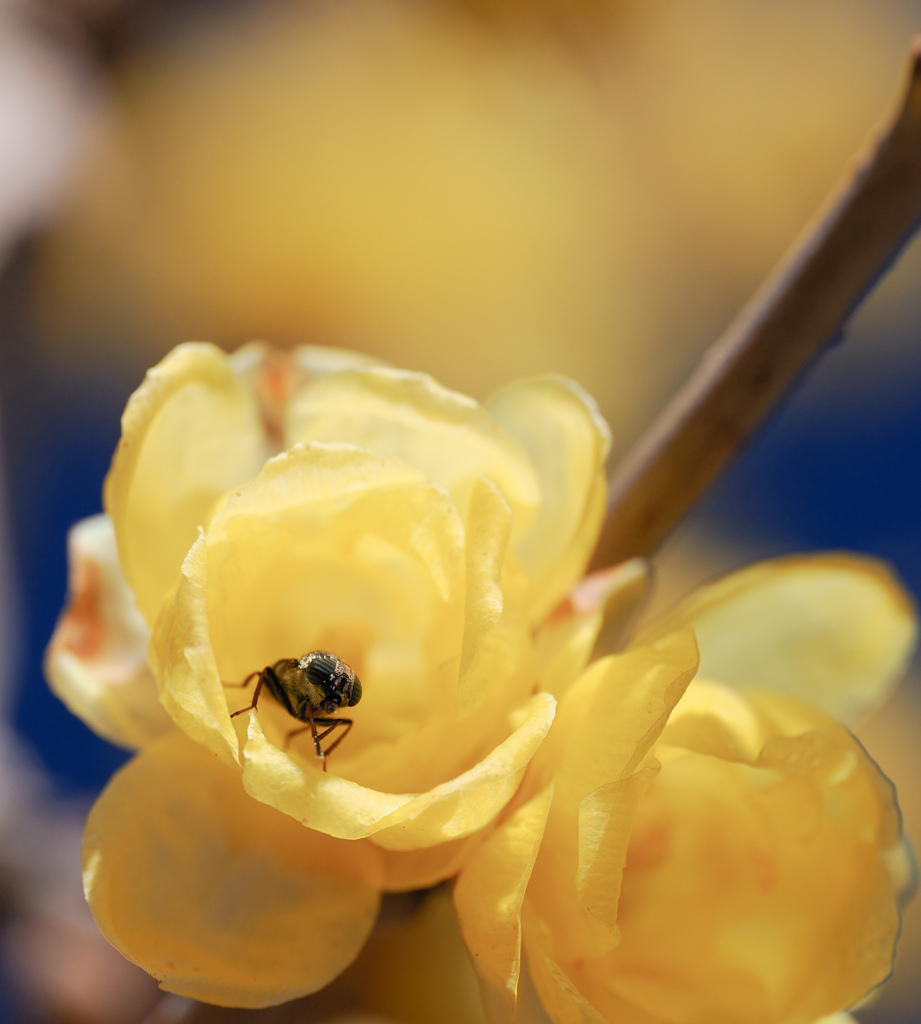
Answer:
(801, 308)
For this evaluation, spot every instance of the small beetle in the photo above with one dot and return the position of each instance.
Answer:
(318, 681)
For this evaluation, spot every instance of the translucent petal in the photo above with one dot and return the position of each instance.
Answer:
(757, 892)
(607, 723)
(275, 375)
(97, 659)
(486, 541)
(602, 602)
(219, 897)
(562, 1000)
(190, 433)
(567, 441)
(184, 663)
(833, 629)
(447, 436)
(320, 360)
(332, 535)
(328, 548)
(716, 719)
(615, 711)
(605, 821)
(311, 360)
(406, 821)
(412, 870)
(490, 890)
(496, 669)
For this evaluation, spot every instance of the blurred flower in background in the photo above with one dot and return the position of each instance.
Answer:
(478, 189)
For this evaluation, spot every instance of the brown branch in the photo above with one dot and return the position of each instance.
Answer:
(802, 306)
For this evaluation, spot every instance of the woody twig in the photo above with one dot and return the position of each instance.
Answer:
(802, 307)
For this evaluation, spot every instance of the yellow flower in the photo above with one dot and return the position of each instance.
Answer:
(418, 535)
(714, 850)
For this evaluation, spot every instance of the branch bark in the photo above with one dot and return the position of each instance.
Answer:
(802, 307)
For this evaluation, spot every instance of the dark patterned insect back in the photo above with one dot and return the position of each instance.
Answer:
(319, 681)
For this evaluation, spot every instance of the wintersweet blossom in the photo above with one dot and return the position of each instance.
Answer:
(714, 847)
(260, 506)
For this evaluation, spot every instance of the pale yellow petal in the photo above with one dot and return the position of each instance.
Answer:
(321, 360)
(330, 547)
(447, 436)
(486, 540)
(758, 893)
(219, 897)
(190, 433)
(321, 800)
(473, 799)
(336, 548)
(490, 890)
(184, 663)
(397, 821)
(562, 1000)
(605, 821)
(567, 441)
(833, 629)
(607, 723)
(718, 720)
(412, 870)
(604, 602)
(275, 375)
(615, 711)
(97, 658)
(496, 666)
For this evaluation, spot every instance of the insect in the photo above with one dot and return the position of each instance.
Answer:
(318, 681)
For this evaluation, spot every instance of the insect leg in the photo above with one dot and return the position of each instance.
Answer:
(256, 692)
(311, 728)
(313, 732)
(332, 723)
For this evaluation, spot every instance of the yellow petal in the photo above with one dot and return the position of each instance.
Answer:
(184, 663)
(607, 723)
(496, 671)
(326, 537)
(219, 897)
(715, 719)
(602, 602)
(97, 659)
(310, 360)
(190, 433)
(489, 893)
(833, 629)
(757, 893)
(320, 360)
(274, 375)
(567, 441)
(562, 1000)
(397, 821)
(412, 870)
(488, 527)
(332, 547)
(605, 821)
(615, 711)
(447, 436)
(473, 799)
